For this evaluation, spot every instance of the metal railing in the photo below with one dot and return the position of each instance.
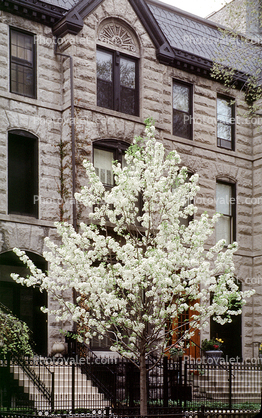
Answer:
(86, 383)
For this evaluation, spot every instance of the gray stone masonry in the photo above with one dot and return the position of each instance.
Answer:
(47, 117)
(243, 16)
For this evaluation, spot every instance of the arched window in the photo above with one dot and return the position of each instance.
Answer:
(117, 68)
(104, 153)
(24, 302)
(22, 173)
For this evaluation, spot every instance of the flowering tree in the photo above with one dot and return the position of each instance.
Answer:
(136, 272)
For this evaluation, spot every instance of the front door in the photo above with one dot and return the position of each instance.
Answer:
(230, 333)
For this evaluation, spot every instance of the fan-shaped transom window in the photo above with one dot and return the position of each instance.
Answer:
(117, 69)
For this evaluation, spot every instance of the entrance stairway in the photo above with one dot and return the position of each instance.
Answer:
(57, 387)
(215, 384)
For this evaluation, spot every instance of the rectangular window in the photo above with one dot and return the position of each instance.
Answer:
(117, 82)
(182, 110)
(225, 123)
(226, 205)
(22, 175)
(22, 63)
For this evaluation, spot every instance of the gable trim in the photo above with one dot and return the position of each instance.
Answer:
(74, 20)
(73, 23)
(164, 51)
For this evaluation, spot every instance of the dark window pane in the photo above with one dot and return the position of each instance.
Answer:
(22, 64)
(127, 86)
(22, 175)
(22, 47)
(104, 79)
(181, 124)
(127, 73)
(117, 82)
(127, 100)
(182, 110)
(224, 143)
(105, 94)
(22, 80)
(104, 65)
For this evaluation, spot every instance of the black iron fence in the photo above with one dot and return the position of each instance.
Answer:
(87, 384)
(178, 414)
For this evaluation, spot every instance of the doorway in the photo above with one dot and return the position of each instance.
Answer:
(24, 302)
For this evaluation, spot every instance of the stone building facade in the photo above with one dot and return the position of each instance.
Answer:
(244, 16)
(169, 80)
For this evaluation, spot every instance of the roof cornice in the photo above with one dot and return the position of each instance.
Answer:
(201, 66)
(64, 22)
(35, 10)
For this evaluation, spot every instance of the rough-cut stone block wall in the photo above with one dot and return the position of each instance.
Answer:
(48, 117)
(43, 118)
(232, 15)
(201, 154)
(40, 116)
(242, 16)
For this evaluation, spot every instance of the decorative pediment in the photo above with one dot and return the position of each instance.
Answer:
(119, 36)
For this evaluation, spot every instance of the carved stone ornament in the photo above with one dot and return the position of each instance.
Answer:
(117, 35)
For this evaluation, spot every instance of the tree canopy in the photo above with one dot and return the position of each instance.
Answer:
(135, 271)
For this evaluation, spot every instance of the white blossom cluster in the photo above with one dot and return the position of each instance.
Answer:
(135, 272)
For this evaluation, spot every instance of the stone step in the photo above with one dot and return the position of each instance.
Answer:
(86, 395)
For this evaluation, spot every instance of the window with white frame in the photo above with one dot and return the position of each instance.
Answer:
(225, 122)
(226, 205)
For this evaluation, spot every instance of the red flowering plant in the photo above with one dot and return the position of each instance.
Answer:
(213, 344)
(176, 350)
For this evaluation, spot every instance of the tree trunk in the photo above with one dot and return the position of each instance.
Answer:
(143, 388)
